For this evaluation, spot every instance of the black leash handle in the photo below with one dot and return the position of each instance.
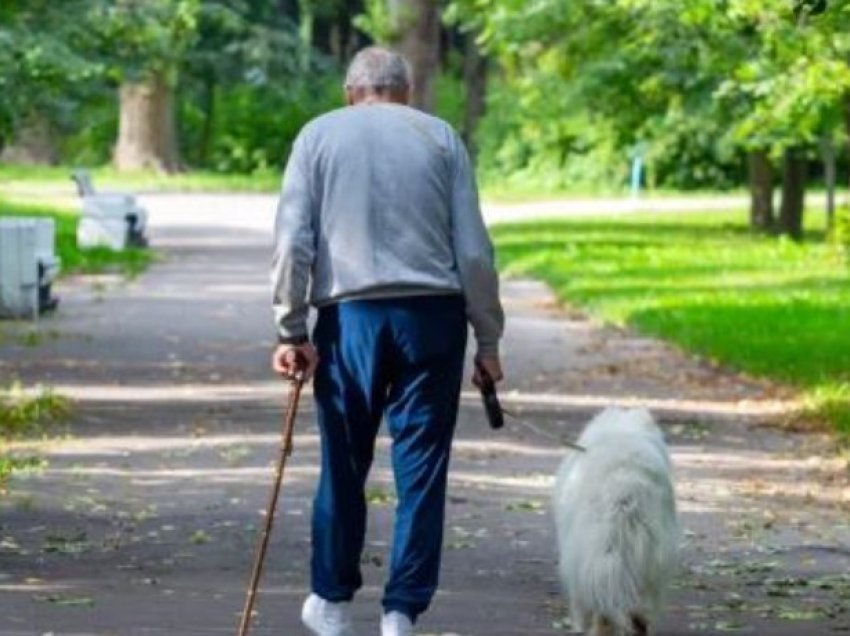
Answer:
(492, 407)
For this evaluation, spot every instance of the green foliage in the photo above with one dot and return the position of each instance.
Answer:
(841, 233)
(696, 83)
(244, 43)
(248, 85)
(547, 153)
(830, 402)
(376, 21)
(141, 38)
(450, 100)
(576, 107)
(244, 81)
(254, 126)
(15, 464)
(87, 134)
(41, 66)
(130, 262)
(793, 83)
(766, 306)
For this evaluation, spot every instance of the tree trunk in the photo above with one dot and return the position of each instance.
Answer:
(793, 193)
(761, 191)
(847, 113)
(417, 37)
(147, 136)
(208, 127)
(475, 81)
(335, 45)
(829, 170)
(33, 144)
(306, 20)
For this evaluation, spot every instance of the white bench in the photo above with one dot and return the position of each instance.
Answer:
(28, 266)
(110, 219)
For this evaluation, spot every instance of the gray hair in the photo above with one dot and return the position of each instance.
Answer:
(378, 68)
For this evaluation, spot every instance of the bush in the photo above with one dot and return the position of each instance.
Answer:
(535, 136)
(254, 126)
(88, 130)
(550, 151)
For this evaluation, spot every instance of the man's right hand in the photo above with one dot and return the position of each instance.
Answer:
(492, 365)
(295, 361)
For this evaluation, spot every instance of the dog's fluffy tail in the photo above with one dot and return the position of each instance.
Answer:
(627, 556)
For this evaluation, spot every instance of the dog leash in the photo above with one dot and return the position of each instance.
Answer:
(539, 431)
(496, 412)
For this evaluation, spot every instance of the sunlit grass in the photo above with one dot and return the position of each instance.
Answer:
(764, 305)
(18, 179)
(130, 262)
(27, 414)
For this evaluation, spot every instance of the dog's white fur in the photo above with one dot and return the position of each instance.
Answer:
(615, 515)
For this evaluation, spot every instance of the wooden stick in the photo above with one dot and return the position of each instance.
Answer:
(263, 544)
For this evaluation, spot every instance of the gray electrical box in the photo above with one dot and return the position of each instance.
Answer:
(28, 266)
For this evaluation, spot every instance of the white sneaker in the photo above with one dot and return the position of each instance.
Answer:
(325, 618)
(396, 624)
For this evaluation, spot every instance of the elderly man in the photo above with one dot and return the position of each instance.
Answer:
(379, 220)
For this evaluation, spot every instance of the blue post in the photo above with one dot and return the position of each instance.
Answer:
(637, 170)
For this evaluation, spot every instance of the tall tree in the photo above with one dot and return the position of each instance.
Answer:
(144, 41)
(794, 81)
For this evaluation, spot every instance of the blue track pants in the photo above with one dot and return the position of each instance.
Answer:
(399, 358)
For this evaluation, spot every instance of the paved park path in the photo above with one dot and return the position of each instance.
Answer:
(144, 520)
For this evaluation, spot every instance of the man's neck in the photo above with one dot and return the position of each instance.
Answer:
(357, 97)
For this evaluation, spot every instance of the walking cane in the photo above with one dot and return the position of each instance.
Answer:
(262, 546)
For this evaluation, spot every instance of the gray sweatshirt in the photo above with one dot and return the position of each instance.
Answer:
(380, 201)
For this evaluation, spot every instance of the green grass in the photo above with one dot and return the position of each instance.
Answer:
(26, 415)
(21, 179)
(763, 305)
(130, 262)
(26, 180)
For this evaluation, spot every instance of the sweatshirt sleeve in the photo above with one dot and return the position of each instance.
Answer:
(474, 256)
(294, 247)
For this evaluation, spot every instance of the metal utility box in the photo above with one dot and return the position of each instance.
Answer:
(28, 266)
(110, 219)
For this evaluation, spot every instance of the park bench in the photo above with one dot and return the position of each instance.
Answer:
(110, 219)
(28, 266)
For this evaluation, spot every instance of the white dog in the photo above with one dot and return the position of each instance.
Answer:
(615, 515)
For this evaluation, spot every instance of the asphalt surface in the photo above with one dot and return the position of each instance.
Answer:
(144, 520)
